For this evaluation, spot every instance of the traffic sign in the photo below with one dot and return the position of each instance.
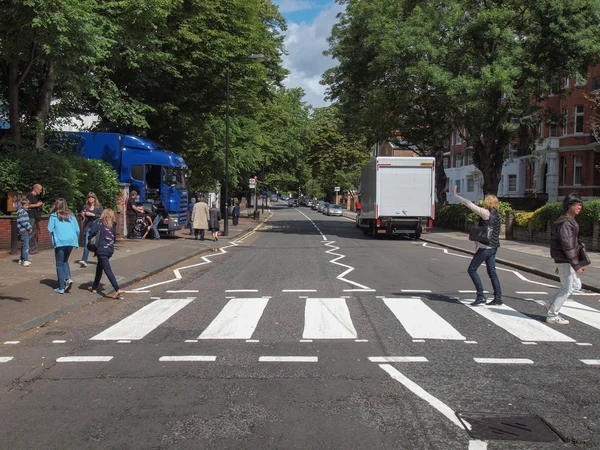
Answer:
(337, 189)
(252, 183)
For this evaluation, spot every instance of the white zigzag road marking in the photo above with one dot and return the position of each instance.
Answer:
(516, 273)
(205, 260)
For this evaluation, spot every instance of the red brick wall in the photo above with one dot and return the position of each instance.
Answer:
(44, 241)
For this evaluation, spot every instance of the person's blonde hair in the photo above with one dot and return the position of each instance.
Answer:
(108, 217)
(490, 202)
(61, 209)
(214, 204)
(96, 202)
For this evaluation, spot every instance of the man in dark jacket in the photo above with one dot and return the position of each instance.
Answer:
(565, 248)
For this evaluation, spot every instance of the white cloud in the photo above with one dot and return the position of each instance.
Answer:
(305, 43)
(287, 6)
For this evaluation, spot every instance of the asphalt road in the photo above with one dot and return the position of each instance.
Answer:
(305, 334)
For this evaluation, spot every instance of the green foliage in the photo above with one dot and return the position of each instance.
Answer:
(61, 175)
(522, 219)
(549, 212)
(448, 215)
(502, 208)
(588, 217)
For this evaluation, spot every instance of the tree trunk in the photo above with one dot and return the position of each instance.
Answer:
(440, 177)
(44, 104)
(13, 102)
(491, 155)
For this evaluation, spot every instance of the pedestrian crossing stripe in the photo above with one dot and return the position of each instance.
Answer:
(330, 318)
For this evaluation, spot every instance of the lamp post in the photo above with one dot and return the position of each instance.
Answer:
(257, 57)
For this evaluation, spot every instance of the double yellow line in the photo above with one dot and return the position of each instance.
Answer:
(254, 230)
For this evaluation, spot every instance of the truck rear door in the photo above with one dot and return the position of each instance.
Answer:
(405, 191)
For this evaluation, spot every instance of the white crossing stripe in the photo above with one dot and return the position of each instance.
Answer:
(4, 359)
(591, 362)
(420, 321)
(142, 322)
(519, 325)
(327, 318)
(416, 291)
(237, 320)
(397, 359)
(288, 359)
(188, 358)
(581, 313)
(84, 359)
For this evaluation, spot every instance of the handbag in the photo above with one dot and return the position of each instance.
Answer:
(92, 244)
(480, 232)
(584, 259)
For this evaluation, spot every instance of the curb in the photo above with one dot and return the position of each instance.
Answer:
(512, 264)
(40, 321)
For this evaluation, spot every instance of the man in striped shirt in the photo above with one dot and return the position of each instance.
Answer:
(25, 229)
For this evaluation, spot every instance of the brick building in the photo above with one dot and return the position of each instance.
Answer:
(566, 156)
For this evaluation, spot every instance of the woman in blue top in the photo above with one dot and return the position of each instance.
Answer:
(64, 229)
(90, 213)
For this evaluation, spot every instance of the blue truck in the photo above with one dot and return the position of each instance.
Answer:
(157, 174)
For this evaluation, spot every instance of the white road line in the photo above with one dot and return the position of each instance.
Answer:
(305, 340)
(4, 359)
(191, 341)
(241, 290)
(591, 362)
(530, 293)
(471, 292)
(327, 318)
(84, 359)
(252, 341)
(529, 343)
(477, 445)
(359, 290)
(137, 292)
(503, 360)
(59, 341)
(188, 358)
(288, 359)
(581, 313)
(361, 340)
(237, 320)
(518, 324)
(589, 294)
(140, 323)
(11, 342)
(470, 342)
(416, 291)
(183, 291)
(420, 392)
(348, 268)
(585, 344)
(123, 341)
(298, 290)
(420, 321)
(397, 359)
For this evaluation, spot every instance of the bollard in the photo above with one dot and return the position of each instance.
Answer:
(14, 237)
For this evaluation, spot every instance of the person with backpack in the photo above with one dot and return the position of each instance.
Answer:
(486, 248)
(90, 212)
(102, 243)
(565, 249)
(25, 229)
(64, 229)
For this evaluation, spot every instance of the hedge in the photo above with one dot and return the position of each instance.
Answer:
(449, 214)
(552, 211)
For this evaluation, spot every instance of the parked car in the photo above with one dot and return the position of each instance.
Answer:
(292, 202)
(334, 210)
(325, 208)
(315, 205)
(321, 206)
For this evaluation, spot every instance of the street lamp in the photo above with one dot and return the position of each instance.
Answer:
(257, 57)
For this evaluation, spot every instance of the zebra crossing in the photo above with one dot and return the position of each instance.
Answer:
(331, 319)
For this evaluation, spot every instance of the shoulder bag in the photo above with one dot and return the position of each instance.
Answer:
(481, 232)
(584, 259)
(92, 244)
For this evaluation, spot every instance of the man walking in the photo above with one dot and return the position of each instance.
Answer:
(565, 248)
(200, 218)
(34, 216)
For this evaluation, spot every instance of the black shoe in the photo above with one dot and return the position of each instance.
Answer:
(496, 301)
(479, 301)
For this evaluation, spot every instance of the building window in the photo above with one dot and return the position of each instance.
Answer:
(137, 172)
(579, 119)
(580, 79)
(458, 139)
(445, 163)
(565, 122)
(457, 184)
(470, 184)
(541, 130)
(458, 161)
(595, 83)
(552, 130)
(469, 157)
(567, 82)
(577, 170)
(512, 183)
(563, 162)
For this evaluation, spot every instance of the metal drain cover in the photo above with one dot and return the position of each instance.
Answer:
(506, 427)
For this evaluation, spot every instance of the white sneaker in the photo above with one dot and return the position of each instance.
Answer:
(20, 262)
(557, 320)
(26, 263)
(82, 264)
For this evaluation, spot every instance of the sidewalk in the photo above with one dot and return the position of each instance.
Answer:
(27, 298)
(525, 256)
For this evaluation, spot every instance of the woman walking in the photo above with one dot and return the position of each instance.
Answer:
(106, 230)
(64, 229)
(213, 222)
(485, 252)
(90, 212)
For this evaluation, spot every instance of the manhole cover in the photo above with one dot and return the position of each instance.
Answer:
(56, 333)
(489, 426)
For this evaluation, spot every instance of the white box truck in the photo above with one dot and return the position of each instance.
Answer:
(397, 195)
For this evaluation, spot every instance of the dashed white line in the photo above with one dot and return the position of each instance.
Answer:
(4, 359)
(69, 359)
(397, 359)
(591, 362)
(59, 341)
(584, 343)
(503, 360)
(189, 341)
(531, 293)
(529, 343)
(241, 290)
(187, 291)
(298, 290)
(11, 342)
(416, 291)
(252, 341)
(288, 359)
(188, 358)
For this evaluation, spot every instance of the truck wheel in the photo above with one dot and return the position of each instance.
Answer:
(374, 232)
(365, 231)
(417, 234)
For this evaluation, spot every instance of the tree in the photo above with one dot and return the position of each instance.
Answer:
(471, 66)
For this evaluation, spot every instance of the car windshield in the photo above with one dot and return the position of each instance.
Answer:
(336, 207)
(174, 176)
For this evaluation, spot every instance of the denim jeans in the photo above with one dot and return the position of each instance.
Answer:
(104, 265)
(155, 224)
(487, 255)
(25, 247)
(86, 237)
(569, 283)
(63, 272)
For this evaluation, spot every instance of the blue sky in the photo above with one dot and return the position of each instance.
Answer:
(309, 26)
